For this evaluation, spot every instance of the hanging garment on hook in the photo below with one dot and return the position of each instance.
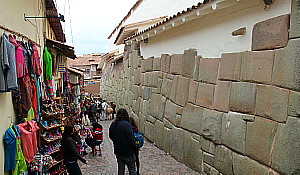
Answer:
(8, 74)
(14, 158)
(20, 59)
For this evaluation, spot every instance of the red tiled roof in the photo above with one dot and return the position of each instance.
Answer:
(54, 22)
(188, 10)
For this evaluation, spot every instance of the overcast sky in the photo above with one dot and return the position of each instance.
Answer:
(92, 21)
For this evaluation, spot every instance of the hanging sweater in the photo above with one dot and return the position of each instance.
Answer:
(8, 73)
(48, 64)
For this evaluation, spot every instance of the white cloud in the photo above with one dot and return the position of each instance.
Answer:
(92, 22)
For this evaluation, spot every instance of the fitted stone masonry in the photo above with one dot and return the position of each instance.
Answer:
(238, 114)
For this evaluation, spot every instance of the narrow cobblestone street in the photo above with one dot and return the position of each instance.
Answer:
(152, 159)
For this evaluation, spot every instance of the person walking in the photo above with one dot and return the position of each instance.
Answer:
(121, 133)
(104, 107)
(135, 130)
(70, 153)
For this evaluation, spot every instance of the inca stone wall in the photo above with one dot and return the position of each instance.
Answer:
(238, 114)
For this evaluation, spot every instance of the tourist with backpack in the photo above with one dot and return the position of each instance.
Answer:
(139, 142)
(120, 132)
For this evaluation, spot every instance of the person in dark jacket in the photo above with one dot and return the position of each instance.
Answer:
(121, 133)
(70, 152)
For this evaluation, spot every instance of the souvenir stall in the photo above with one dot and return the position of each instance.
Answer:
(31, 145)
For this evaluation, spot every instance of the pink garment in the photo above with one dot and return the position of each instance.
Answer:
(20, 59)
(36, 61)
(29, 137)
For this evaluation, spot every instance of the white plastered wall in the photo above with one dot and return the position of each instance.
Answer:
(211, 34)
(149, 9)
(12, 17)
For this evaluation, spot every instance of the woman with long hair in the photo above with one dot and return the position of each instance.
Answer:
(70, 152)
(120, 132)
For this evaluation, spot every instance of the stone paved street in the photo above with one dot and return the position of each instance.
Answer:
(152, 159)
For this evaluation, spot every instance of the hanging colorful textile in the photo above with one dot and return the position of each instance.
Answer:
(48, 64)
(25, 90)
(49, 88)
(21, 165)
(35, 60)
(8, 74)
(20, 59)
(9, 149)
(14, 158)
(29, 134)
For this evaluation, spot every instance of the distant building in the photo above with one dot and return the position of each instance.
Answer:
(88, 63)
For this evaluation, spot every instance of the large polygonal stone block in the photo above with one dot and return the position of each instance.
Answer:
(193, 87)
(167, 139)
(234, 131)
(211, 125)
(191, 118)
(223, 159)
(135, 90)
(141, 123)
(135, 57)
(149, 131)
(158, 133)
(205, 95)
(242, 97)
(230, 66)
(147, 93)
(165, 87)
(222, 96)
(182, 91)
(135, 106)
(286, 72)
(286, 155)
(208, 70)
(163, 62)
(259, 138)
(157, 106)
(192, 152)
(294, 104)
(188, 62)
(176, 63)
(177, 143)
(170, 111)
(295, 19)
(272, 102)
(137, 76)
(271, 34)
(156, 64)
(145, 107)
(258, 66)
(153, 80)
(174, 88)
(246, 166)
(148, 64)
(196, 68)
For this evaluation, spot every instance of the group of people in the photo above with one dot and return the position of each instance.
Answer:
(95, 110)
(122, 133)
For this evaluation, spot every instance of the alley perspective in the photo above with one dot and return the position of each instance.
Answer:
(208, 87)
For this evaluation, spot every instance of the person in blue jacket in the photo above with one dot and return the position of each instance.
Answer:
(121, 133)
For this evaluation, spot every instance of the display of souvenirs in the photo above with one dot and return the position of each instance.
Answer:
(52, 109)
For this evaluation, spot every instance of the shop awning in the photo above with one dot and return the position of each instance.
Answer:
(62, 48)
(75, 71)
